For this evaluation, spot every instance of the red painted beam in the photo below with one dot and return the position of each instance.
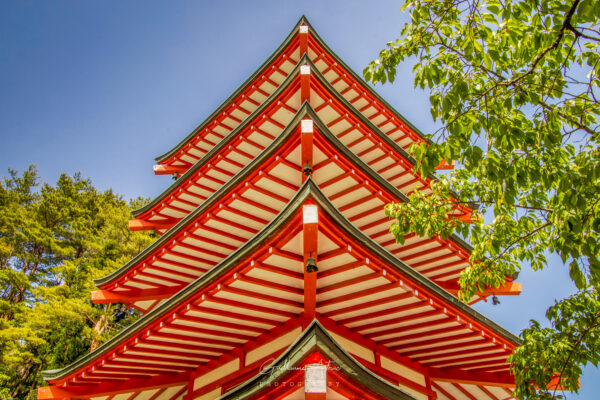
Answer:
(141, 225)
(508, 289)
(363, 305)
(470, 361)
(169, 169)
(53, 392)
(105, 389)
(459, 376)
(443, 391)
(131, 296)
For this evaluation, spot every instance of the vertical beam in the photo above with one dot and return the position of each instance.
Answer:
(190, 387)
(315, 382)
(377, 357)
(303, 36)
(305, 83)
(307, 128)
(310, 220)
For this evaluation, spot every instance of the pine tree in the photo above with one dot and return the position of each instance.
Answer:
(54, 240)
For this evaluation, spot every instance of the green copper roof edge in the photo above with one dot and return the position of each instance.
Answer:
(188, 291)
(357, 113)
(315, 336)
(364, 83)
(370, 171)
(240, 89)
(308, 188)
(208, 202)
(222, 143)
(349, 154)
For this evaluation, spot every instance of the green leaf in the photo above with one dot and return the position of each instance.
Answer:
(576, 275)
(524, 134)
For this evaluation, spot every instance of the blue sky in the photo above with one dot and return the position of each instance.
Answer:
(104, 87)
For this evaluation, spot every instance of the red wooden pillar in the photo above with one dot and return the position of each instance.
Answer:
(306, 129)
(305, 83)
(310, 222)
(303, 36)
(310, 216)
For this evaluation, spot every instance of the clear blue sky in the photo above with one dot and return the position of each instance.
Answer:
(104, 87)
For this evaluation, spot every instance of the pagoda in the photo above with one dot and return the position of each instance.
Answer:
(275, 275)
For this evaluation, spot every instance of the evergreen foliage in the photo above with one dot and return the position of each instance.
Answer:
(515, 86)
(54, 240)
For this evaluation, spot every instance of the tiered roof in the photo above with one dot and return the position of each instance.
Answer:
(262, 84)
(295, 166)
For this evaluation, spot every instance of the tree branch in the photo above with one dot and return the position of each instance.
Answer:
(594, 324)
(554, 45)
(520, 238)
(569, 120)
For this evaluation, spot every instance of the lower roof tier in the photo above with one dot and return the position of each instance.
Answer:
(263, 291)
(315, 359)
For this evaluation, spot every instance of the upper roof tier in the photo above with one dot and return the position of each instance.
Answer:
(264, 82)
(241, 145)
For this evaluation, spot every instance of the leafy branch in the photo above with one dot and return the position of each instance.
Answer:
(505, 82)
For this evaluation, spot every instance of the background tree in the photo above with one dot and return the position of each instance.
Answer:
(54, 241)
(514, 85)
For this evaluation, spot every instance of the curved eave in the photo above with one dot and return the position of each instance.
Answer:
(323, 81)
(364, 120)
(360, 80)
(392, 261)
(186, 293)
(315, 337)
(222, 143)
(235, 94)
(308, 190)
(324, 130)
(213, 199)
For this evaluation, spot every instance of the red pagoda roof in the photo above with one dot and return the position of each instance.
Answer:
(255, 294)
(345, 375)
(264, 82)
(275, 246)
(198, 244)
(243, 143)
(229, 218)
